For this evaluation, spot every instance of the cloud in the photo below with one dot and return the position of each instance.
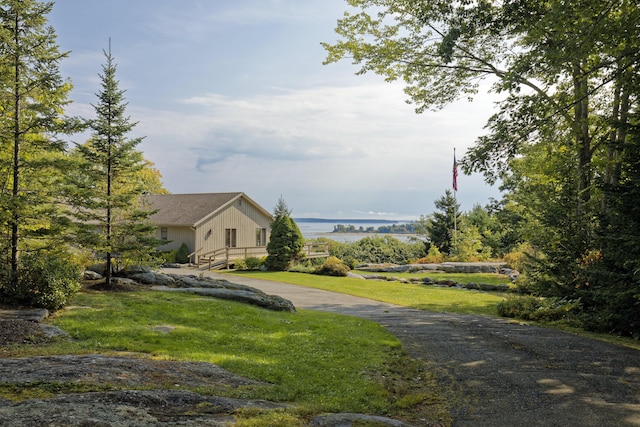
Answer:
(359, 149)
(353, 149)
(201, 21)
(366, 121)
(232, 96)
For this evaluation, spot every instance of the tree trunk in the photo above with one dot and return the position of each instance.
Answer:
(617, 135)
(15, 193)
(582, 139)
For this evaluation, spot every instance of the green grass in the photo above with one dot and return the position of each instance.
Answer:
(429, 298)
(328, 355)
(318, 361)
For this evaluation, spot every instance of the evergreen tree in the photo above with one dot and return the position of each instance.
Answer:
(468, 243)
(286, 240)
(111, 185)
(611, 290)
(441, 223)
(32, 98)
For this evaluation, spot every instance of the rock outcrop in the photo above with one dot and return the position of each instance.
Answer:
(200, 285)
(224, 289)
(449, 267)
(134, 401)
(446, 267)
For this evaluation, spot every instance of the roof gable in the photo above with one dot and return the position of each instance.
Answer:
(190, 209)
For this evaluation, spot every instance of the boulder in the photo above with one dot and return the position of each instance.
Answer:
(98, 268)
(257, 298)
(137, 269)
(349, 419)
(123, 281)
(511, 273)
(164, 280)
(146, 278)
(27, 314)
(195, 282)
(152, 278)
(224, 289)
(92, 275)
(447, 282)
(172, 265)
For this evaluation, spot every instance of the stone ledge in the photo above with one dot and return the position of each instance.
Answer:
(28, 314)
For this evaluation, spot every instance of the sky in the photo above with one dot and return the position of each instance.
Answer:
(232, 95)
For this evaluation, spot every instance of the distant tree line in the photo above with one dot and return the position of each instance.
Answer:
(407, 228)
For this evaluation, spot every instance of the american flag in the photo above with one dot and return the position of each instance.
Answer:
(455, 173)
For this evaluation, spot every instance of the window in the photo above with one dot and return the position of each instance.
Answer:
(261, 236)
(164, 234)
(230, 237)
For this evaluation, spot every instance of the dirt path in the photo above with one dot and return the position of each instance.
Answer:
(496, 373)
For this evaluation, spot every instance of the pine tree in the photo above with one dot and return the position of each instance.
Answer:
(32, 98)
(442, 222)
(111, 186)
(286, 240)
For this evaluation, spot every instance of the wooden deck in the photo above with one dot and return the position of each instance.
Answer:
(225, 257)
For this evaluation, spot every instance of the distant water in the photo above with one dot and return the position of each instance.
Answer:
(313, 228)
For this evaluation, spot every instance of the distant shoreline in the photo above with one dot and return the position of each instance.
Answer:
(355, 221)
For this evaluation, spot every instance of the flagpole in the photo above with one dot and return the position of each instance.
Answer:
(455, 198)
(455, 191)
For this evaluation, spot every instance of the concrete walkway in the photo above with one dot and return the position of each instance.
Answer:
(494, 372)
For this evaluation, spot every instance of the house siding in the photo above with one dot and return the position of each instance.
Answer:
(176, 236)
(240, 215)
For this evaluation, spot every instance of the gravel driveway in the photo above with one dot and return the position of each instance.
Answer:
(497, 373)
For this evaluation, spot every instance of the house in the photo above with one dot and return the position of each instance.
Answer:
(214, 226)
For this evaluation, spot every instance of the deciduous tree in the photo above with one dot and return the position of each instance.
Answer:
(568, 75)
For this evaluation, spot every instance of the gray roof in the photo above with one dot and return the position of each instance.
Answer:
(189, 209)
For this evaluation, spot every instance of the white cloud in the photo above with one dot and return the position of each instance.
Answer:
(356, 148)
(232, 96)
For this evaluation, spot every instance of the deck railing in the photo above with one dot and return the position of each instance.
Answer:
(223, 257)
(316, 249)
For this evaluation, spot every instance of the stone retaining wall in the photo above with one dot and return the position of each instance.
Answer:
(446, 267)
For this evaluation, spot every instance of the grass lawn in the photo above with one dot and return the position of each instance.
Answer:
(321, 362)
(430, 298)
(423, 297)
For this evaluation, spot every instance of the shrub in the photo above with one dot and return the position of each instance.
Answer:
(302, 268)
(44, 281)
(307, 265)
(240, 264)
(253, 263)
(168, 257)
(249, 263)
(182, 255)
(434, 256)
(332, 267)
(537, 309)
(518, 257)
(378, 250)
